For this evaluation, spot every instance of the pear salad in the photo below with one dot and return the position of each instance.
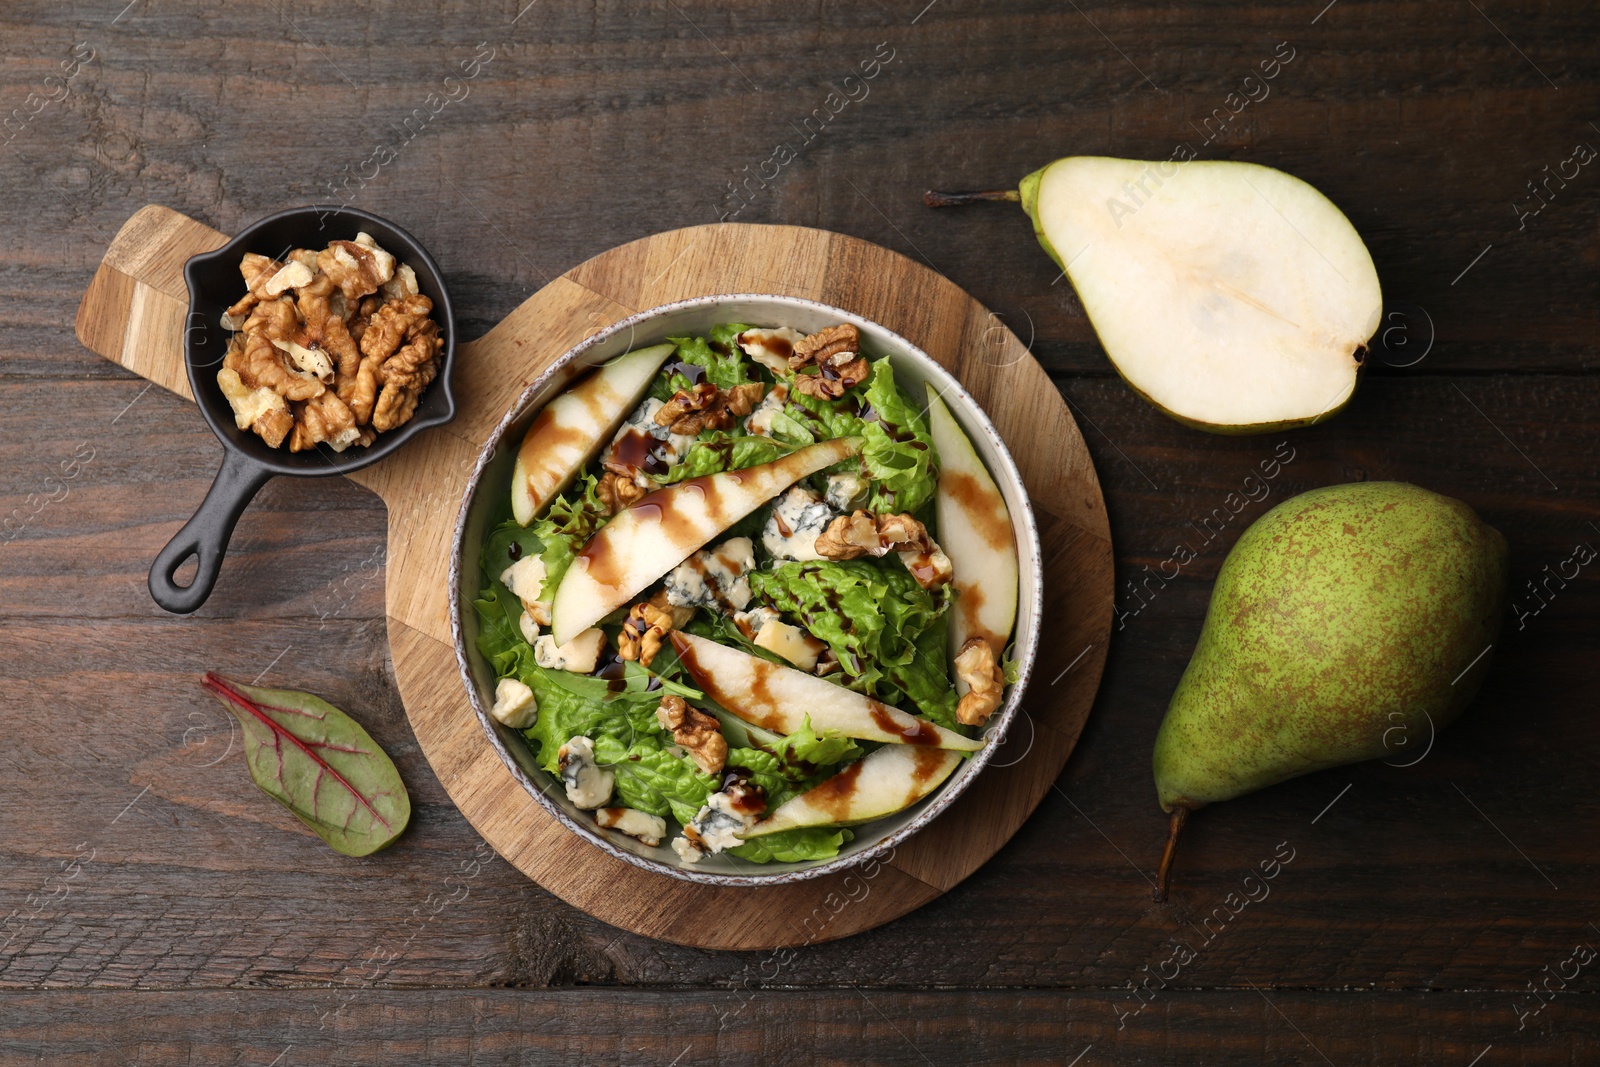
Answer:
(747, 593)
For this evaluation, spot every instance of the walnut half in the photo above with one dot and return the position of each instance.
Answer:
(827, 345)
(645, 628)
(696, 731)
(836, 353)
(851, 537)
(863, 534)
(617, 492)
(691, 411)
(975, 665)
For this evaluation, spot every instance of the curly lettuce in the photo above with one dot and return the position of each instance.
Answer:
(567, 523)
(898, 454)
(793, 846)
(717, 451)
(925, 680)
(769, 771)
(898, 457)
(871, 614)
(499, 637)
(805, 750)
(571, 704)
(717, 356)
(650, 778)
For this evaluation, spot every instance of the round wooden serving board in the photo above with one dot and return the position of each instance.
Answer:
(134, 314)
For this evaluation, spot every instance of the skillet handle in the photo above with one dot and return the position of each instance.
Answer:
(206, 535)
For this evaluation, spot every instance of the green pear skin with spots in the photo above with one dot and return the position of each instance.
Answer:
(1348, 623)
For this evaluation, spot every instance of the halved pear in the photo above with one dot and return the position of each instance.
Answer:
(975, 532)
(661, 529)
(572, 427)
(1234, 297)
(779, 698)
(884, 781)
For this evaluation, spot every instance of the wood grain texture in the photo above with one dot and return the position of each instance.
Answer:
(423, 485)
(1404, 931)
(1223, 1028)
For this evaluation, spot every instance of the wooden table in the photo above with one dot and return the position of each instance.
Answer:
(161, 910)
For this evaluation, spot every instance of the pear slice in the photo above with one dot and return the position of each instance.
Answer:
(779, 698)
(885, 781)
(975, 532)
(1234, 297)
(572, 427)
(661, 529)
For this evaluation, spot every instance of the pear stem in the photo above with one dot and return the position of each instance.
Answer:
(1164, 872)
(938, 199)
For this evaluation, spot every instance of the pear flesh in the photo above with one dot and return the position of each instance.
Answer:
(1347, 623)
(1234, 297)
(975, 531)
(885, 781)
(572, 427)
(662, 529)
(780, 699)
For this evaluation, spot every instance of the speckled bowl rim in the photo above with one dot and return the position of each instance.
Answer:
(1023, 523)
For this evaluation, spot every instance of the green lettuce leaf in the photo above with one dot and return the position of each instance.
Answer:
(823, 419)
(765, 770)
(652, 779)
(566, 525)
(718, 353)
(795, 763)
(717, 451)
(499, 637)
(805, 751)
(792, 846)
(870, 613)
(897, 457)
(924, 682)
(564, 715)
(572, 704)
(898, 454)
(506, 544)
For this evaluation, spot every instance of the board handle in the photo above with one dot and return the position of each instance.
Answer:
(136, 308)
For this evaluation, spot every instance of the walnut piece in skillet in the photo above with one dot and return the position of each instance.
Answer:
(342, 337)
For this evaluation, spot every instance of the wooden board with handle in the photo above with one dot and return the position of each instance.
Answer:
(134, 314)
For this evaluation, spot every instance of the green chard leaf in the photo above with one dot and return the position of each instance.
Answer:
(320, 764)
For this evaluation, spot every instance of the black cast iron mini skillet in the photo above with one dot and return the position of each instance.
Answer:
(215, 284)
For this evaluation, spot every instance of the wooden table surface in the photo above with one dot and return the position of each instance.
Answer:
(160, 910)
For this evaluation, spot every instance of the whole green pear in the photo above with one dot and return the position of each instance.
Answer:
(1345, 623)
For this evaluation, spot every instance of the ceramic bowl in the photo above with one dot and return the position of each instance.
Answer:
(491, 480)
